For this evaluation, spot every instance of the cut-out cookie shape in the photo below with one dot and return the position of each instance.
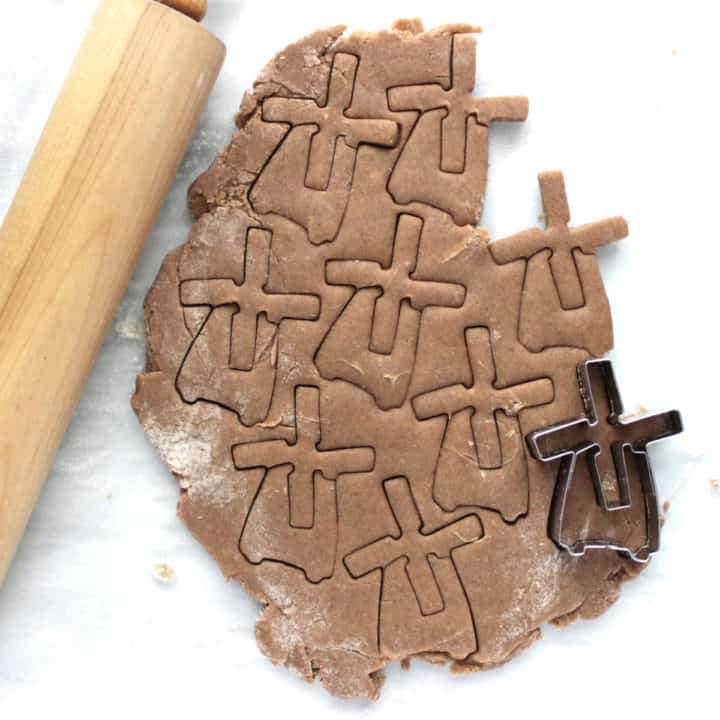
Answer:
(398, 283)
(345, 352)
(611, 446)
(305, 456)
(270, 534)
(564, 301)
(459, 105)
(461, 195)
(232, 360)
(403, 629)
(395, 319)
(331, 120)
(207, 372)
(481, 461)
(280, 188)
(448, 147)
(415, 546)
(251, 298)
(308, 179)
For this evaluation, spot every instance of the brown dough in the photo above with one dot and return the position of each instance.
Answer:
(342, 370)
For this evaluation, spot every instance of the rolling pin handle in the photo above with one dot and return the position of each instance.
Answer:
(195, 9)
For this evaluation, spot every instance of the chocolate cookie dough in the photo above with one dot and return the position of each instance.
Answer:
(342, 369)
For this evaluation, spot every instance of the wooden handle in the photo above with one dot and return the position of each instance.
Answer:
(88, 200)
(196, 9)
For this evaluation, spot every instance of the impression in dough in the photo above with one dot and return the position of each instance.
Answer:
(342, 369)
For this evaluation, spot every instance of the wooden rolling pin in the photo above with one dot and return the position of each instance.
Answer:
(88, 201)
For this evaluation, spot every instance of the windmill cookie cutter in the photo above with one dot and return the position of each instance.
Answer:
(625, 437)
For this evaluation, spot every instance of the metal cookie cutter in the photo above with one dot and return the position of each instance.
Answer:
(592, 436)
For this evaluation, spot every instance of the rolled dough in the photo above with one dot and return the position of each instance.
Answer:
(342, 369)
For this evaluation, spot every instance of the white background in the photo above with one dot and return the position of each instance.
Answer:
(624, 99)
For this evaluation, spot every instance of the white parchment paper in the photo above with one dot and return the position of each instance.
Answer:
(624, 99)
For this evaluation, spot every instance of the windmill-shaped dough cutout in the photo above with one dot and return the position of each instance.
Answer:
(564, 304)
(459, 104)
(232, 360)
(372, 344)
(252, 298)
(481, 461)
(445, 159)
(611, 446)
(398, 283)
(308, 180)
(305, 456)
(332, 121)
(414, 545)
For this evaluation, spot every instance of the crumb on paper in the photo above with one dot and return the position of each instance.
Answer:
(715, 483)
(663, 512)
(163, 573)
(129, 328)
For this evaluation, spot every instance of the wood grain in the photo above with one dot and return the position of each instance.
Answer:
(87, 203)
